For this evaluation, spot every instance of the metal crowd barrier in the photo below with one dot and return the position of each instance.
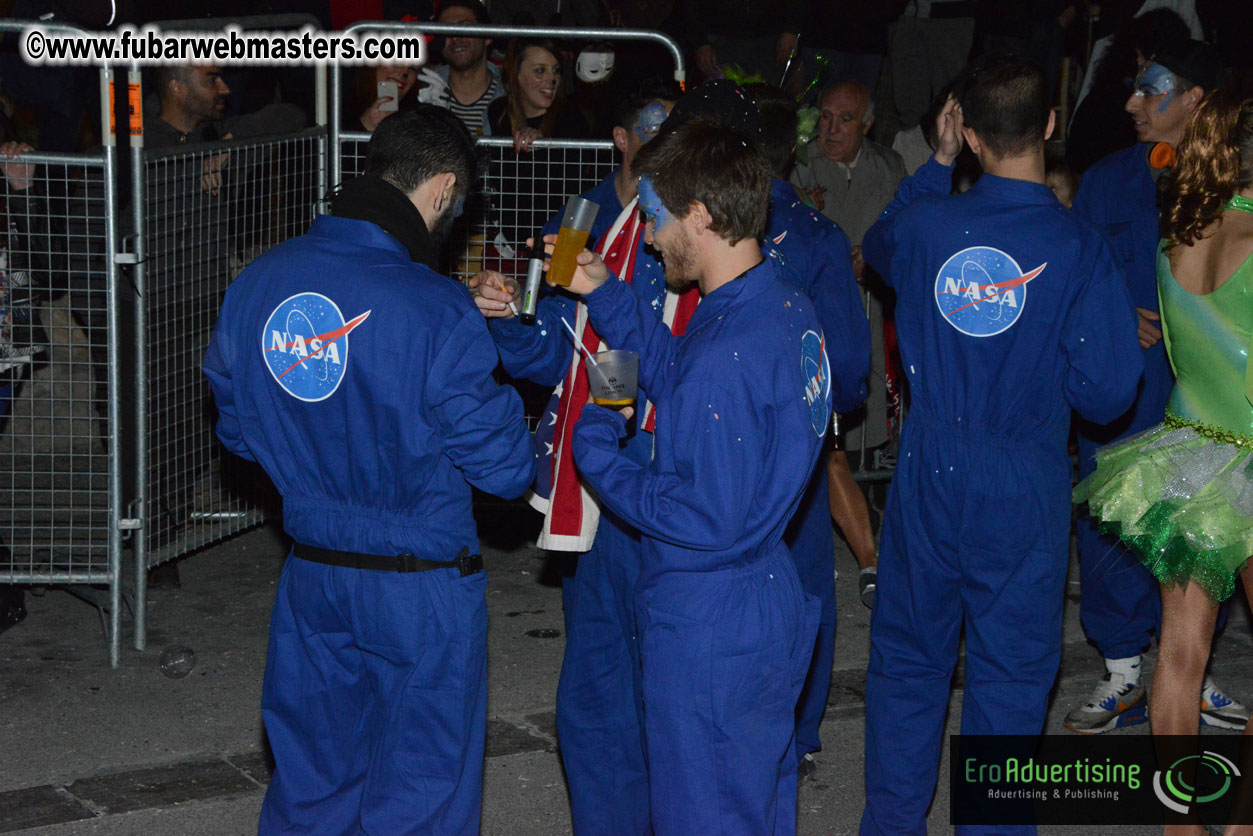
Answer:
(208, 210)
(61, 514)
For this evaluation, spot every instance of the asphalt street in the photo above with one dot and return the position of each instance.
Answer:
(89, 750)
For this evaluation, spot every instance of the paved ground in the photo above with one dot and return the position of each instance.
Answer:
(89, 750)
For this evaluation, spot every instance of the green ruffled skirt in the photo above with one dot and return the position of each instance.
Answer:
(1182, 502)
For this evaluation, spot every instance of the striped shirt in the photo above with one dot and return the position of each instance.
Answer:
(474, 115)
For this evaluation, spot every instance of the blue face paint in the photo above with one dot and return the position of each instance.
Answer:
(650, 204)
(1156, 80)
(649, 121)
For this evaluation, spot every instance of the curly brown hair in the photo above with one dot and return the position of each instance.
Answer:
(1215, 161)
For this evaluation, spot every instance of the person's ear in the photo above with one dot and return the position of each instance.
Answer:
(972, 140)
(699, 216)
(1192, 98)
(620, 138)
(865, 129)
(1051, 126)
(444, 186)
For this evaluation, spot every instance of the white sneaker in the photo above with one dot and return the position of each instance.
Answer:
(1220, 710)
(1113, 704)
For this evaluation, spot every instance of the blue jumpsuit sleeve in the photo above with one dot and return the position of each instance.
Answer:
(217, 368)
(879, 243)
(703, 501)
(838, 305)
(1103, 355)
(539, 352)
(628, 322)
(481, 423)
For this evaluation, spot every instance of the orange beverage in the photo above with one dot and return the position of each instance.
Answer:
(570, 242)
(613, 402)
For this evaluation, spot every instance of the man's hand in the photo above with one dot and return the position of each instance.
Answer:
(492, 294)
(18, 175)
(859, 264)
(707, 59)
(589, 274)
(1149, 334)
(211, 171)
(949, 127)
(787, 45)
(435, 87)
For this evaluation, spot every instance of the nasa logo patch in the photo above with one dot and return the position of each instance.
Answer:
(981, 291)
(816, 370)
(305, 345)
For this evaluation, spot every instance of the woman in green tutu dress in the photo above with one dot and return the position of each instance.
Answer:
(1181, 494)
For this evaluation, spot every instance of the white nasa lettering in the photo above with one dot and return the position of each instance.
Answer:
(315, 345)
(279, 341)
(972, 292)
(332, 354)
(298, 346)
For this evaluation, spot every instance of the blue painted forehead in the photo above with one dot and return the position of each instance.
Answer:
(1155, 80)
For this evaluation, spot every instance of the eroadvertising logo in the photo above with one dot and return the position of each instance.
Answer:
(1086, 780)
(1180, 787)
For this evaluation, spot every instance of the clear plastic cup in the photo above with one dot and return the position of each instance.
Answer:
(613, 378)
(576, 225)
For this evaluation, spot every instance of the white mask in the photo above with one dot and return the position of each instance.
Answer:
(595, 64)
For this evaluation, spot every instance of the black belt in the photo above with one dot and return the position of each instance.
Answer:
(465, 562)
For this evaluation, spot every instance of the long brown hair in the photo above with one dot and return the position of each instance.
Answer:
(513, 91)
(1215, 161)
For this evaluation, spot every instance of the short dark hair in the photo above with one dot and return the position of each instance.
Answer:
(705, 160)
(481, 17)
(778, 124)
(164, 74)
(627, 109)
(411, 147)
(1005, 101)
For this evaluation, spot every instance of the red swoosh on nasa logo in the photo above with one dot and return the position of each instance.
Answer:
(328, 338)
(1021, 280)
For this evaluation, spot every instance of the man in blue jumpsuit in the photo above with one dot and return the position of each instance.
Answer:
(813, 253)
(598, 694)
(1120, 604)
(360, 380)
(743, 401)
(1011, 312)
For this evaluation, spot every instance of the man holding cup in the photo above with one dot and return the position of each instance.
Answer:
(742, 402)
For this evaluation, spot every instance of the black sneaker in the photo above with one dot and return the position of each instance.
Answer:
(866, 580)
(806, 768)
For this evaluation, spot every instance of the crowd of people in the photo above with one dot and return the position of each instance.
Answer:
(781, 292)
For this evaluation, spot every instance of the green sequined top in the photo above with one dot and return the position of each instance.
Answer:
(1208, 339)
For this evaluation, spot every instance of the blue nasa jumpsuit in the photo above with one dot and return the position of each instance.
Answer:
(978, 515)
(1120, 602)
(598, 703)
(813, 253)
(598, 692)
(374, 696)
(726, 632)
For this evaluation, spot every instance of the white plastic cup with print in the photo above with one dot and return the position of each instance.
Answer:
(613, 378)
(576, 225)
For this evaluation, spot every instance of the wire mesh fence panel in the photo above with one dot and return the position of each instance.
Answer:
(54, 392)
(518, 194)
(209, 210)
